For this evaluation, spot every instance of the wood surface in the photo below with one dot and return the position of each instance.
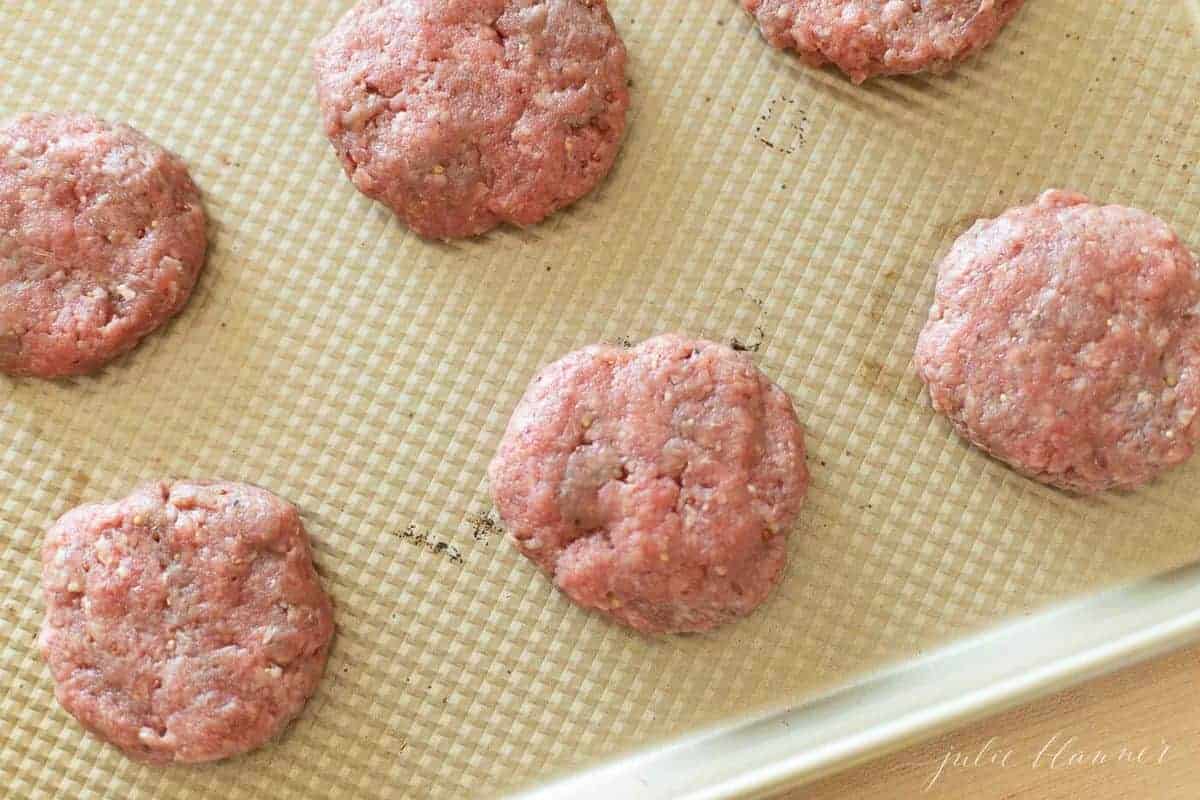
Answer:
(1132, 735)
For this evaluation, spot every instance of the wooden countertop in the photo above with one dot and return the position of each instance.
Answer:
(1129, 736)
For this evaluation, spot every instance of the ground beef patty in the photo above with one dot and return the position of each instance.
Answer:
(463, 114)
(657, 484)
(184, 623)
(101, 240)
(865, 38)
(1065, 340)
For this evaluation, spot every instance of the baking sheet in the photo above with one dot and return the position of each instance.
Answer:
(885, 711)
(367, 376)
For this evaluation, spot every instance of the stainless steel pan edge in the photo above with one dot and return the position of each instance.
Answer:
(972, 678)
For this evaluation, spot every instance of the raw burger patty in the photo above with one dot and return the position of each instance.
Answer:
(463, 114)
(656, 485)
(101, 240)
(1064, 339)
(865, 38)
(184, 623)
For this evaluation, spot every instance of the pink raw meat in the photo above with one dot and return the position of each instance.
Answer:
(184, 623)
(1065, 340)
(101, 240)
(463, 114)
(656, 485)
(865, 38)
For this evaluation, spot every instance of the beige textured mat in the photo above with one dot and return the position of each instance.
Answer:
(367, 376)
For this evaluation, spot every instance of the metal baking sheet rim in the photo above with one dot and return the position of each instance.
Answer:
(966, 680)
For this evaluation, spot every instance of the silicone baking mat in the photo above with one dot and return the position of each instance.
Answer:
(367, 375)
